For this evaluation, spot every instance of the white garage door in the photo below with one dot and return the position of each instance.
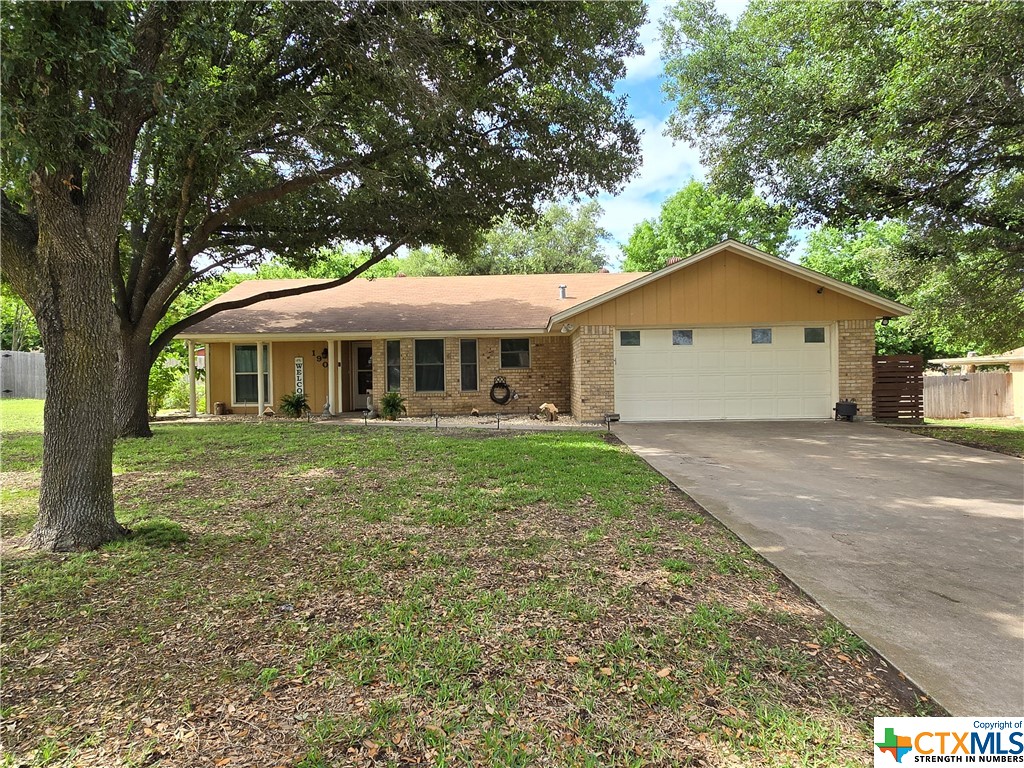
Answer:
(779, 372)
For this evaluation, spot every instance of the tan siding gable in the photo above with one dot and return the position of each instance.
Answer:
(724, 289)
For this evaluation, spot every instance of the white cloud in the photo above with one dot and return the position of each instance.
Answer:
(648, 65)
(666, 167)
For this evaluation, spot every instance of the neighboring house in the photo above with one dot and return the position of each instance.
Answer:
(729, 333)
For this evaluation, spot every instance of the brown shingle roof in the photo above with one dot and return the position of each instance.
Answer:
(408, 304)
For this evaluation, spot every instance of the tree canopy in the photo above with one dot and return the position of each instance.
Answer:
(146, 145)
(698, 216)
(561, 239)
(910, 110)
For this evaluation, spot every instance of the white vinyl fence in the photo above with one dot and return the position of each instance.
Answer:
(22, 374)
(969, 395)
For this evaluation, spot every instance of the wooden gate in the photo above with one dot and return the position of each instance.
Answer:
(897, 391)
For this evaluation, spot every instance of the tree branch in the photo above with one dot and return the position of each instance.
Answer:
(169, 333)
(201, 236)
(18, 251)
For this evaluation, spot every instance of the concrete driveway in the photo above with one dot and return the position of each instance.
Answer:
(915, 544)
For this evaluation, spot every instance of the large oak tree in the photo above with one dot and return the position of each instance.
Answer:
(852, 111)
(148, 144)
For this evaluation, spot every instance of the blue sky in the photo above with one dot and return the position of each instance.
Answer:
(667, 165)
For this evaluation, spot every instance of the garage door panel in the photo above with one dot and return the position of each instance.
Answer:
(709, 384)
(789, 359)
(660, 385)
(735, 384)
(815, 383)
(786, 383)
(723, 375)
(735, 409)
(737, 361)
(710, 361)
(709, 408)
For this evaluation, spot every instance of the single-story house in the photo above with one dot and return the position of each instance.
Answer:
(728, 333)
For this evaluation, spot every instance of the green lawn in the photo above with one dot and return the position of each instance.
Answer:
(1000, 435)
(308, 595)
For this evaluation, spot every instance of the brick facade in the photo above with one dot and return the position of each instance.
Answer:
(856, 347)
(592, 386)
(545, 381)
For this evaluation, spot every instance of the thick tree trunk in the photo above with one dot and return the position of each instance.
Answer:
(76, 321)
(131, 386)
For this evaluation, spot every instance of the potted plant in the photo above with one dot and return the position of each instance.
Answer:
(392, 404)
(295, 405)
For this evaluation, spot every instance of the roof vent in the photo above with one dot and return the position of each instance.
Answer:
(603, 270)
(561, 291)
(400, 274)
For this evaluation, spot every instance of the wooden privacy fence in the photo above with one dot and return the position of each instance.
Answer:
(969, 395)
(897, 391)
(22, 374)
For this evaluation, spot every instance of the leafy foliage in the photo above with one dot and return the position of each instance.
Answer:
(18, 329)
(910, 110)
(948, 319)
(561, 239)
(295, 404)
(162, 378)
(699, 216)
(259, 129)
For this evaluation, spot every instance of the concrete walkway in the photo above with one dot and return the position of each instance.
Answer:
(915, 544)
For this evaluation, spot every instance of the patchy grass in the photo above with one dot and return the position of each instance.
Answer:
(999, 435)
(309, 595)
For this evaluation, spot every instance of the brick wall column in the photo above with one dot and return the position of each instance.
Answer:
(856, 347)
(592, 384)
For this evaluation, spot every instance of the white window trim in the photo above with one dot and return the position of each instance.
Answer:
(269, 394)
(640, 338)
(693, 338)
(387, 365)
(444, 366)
(529, 342)
(476, 362)
(824, 333)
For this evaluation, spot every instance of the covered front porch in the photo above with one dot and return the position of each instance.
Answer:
(248, 375)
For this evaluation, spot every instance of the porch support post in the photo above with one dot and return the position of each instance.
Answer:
(332, 377)
(191, 378)
(261, 394)
(206, 377)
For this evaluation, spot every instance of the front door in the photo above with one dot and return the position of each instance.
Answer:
(362, 366)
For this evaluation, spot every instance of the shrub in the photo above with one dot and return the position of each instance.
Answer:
(295, 405)
(392, 404)
(161, 379)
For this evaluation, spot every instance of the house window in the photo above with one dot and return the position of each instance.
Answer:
(682, 338)
(246, 383)
(814, 335)
(429, 356)
(515, 353)
(394, 365)
(629, 338)
(467, 358)
(760, 335)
